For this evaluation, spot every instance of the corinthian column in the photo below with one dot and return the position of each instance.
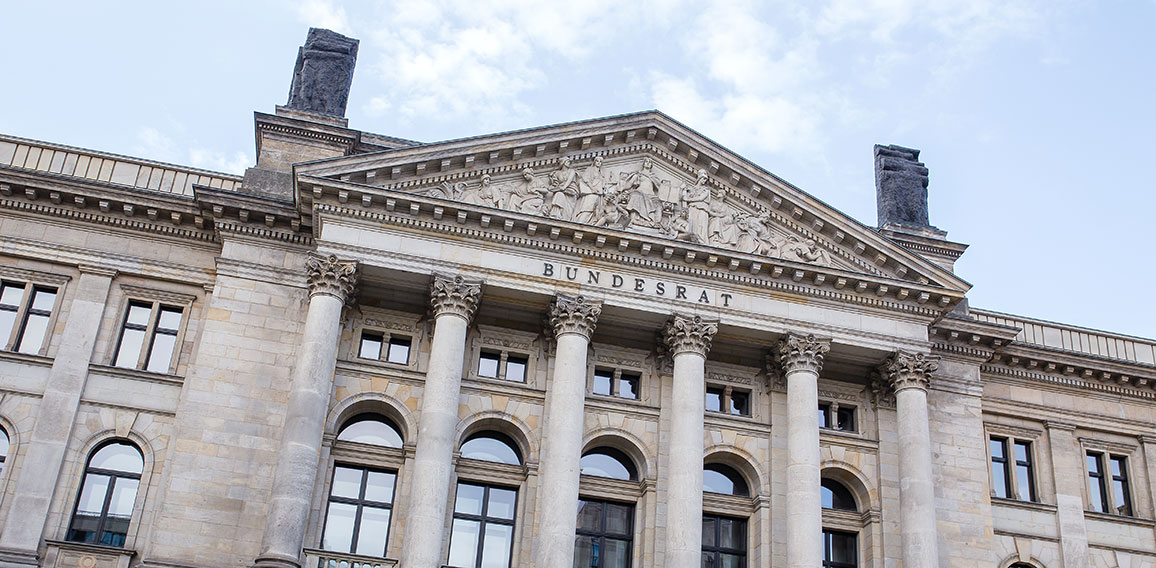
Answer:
(910, 375)
(573, 319)
(800, 360)
(331, 283)
(688, 340)
(453, 301)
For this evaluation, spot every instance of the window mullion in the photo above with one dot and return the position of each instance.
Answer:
(21, 316)
(104, 508)
(150, 334)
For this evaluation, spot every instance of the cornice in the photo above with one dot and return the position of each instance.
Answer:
(123, 264)
(125, 221)
(629, 249)
(1136, 390)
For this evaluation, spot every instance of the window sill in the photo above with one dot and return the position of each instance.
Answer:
(1108, 517)
(63, 553)
(502, 386)
(318, 557)
(138, 374)
(26, 358)
(1018, 504)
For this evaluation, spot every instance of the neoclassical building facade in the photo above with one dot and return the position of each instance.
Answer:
(607, 343)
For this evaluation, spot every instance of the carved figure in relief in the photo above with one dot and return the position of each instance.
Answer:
(528, 196)
(563, 191)
(591, 184)
(483, 194)
(723, 230)
(696, 200)
(755, 236)
(639, 194)
(804, 251)
(448, 190)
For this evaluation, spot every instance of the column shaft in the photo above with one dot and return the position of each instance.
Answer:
(804, 501)
(454, 302)
(573, 320)
(916, 484)
(1070, 478)
(331, 281)
(56, 415)
(684, 479)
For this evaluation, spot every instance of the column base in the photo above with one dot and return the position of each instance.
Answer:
(277, 561)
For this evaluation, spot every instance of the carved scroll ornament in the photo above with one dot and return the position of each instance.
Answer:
(332, 277)
(909, 370)
(684, 334)
(573, 314)
(454, 295)
(801, 353)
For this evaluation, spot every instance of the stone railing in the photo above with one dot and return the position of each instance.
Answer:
(315, 558)
(65, 161)
(1076, 339)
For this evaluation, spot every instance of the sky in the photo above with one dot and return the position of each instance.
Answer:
(1035, 118)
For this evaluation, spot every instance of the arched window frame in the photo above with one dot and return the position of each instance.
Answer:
(863, 521)
(733, 507)
(627, 492)
(115, 476)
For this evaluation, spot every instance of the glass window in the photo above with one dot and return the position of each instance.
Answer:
(483, 526)
(608, 462)
(840, 550)
(24, 314)
(617, 383)
(358, 514)
(370, 346)
(379, 347)
(488, 364)
(1120, 497)
(148, 337)
(1097, 487)
(718, 478)
(836, 496)
(107, 495)
(835, 416)
(714, 399)
(492, 447)
(372, 429)
(728, 400)
(398, 350)
(999, 468)
(4, 443)
(724, 542)
(516, 368)
(604, 534)
(1025, 481)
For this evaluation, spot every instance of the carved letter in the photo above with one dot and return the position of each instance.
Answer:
(679, 292)
(660, 288)
(592, 276)
(726, 300)
(571, 275)
(703, 298)
(616, 281)
(548, 270)
(638, 284)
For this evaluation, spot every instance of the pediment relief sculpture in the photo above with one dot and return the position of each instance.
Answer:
(640, 196)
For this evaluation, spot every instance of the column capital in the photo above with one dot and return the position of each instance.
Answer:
(330, 276)
(801, 353)
(573, 314)
(454, 295)
(909, 370)
(688, 334)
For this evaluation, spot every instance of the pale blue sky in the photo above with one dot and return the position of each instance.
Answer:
(1035, 118)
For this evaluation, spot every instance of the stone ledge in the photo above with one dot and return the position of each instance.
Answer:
(62, 553)
(1108, 517)
(1018, 504)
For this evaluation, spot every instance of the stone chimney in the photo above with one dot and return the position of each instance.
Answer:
(901, 200)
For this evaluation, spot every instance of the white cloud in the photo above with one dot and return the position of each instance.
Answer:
(219, 161)
(324, 14)
(153, 144)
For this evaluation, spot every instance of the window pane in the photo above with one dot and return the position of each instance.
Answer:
(346, 483)
(740, 403)
(138, 314)
(1117, 465)
(490, 449)
(339, 527)
(823, 408)
(1120, 491)
(842, 547)
(33, 336)
(1024, 482)
(516, 369)
(846, 419)
(586, 551)
(371, 431)
(836, 496)
(602, 382)
(716, 482)
(488, 365)
(4, 442)
(714, 400)
(131, 341)
(118, 457)
(161, 354)
(114, 531)
(709, 533)
(732, 561)
(997, 450)
(628, 387)
(999, 479)
(371, 534)
(496, 549)
(1093, 463)
(1095, 495)
(601, 465)
(469, 499)
(501, 505)
(92, 496)
(1022, 452)
(464, 541)
(83, 528)
(123, 497)
(732, 534)
(379, 487)
(370, 346)
(11, 295)
(170, 319)
(399, 350)
(618, 518)
(7, 321)
(616, 553)
(590, 515)
(43, 300)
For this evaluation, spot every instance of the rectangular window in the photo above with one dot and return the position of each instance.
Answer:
(1097, 486)
(604, 534)
(834, 416)
(148, 337)
(25, 311)
(358, 515)
(398, 350)
(1025, 481)
(370, 346)
(1000, 479)
(840, 550)
(504, 365)
(616, 383)
(728, 400)
(1120, 496)
(516, 368)
(724, 542)
(382, 347)
(1012, 475)
(483, 526)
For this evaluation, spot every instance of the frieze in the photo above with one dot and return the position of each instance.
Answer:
(832, 395)
(390, 324)
(732, 379)
(619, 361)
(504, 342)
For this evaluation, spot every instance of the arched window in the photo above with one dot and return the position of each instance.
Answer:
(492, 447)
(373, 429)
(4, 442)
(608, 462)
(837, 497)
(722, 479)
(107, 495)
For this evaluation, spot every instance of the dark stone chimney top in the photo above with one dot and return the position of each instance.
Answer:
(900, 187)
(323, 74)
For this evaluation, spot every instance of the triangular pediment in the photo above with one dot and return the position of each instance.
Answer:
(644, 174)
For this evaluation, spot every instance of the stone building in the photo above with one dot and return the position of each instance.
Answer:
(605, 343)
